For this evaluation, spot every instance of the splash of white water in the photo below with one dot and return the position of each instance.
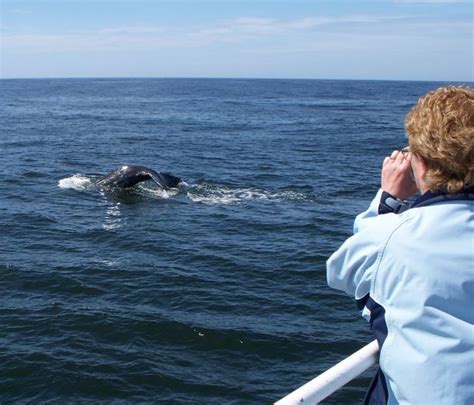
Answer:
(76, 182)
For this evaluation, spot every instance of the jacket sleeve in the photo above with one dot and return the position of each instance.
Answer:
(371, 212)
(352, 266)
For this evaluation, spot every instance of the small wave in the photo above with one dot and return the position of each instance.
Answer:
(213, 194)
(34, 175)
(107, 263)
(76, 182)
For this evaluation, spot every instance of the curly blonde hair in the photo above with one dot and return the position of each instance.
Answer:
(440, 129)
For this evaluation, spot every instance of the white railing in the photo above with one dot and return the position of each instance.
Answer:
(336, 377)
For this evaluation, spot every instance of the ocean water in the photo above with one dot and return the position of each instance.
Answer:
(211, 293)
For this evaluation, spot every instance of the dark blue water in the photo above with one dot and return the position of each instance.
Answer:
(213, 293)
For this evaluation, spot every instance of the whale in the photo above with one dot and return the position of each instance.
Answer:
(128, 176)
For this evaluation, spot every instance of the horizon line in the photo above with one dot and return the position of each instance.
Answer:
(226, 78)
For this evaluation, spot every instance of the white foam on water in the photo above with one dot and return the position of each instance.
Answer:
(157, 191)
(108, 263)
(211, 195)
(76, 182)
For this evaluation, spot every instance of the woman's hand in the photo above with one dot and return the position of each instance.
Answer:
(397, 178)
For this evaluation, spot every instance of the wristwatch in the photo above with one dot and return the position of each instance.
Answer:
(390, 203)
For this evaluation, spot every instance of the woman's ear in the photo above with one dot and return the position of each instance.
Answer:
(420, 171)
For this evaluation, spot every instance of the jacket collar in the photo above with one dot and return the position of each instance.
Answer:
(430, 197)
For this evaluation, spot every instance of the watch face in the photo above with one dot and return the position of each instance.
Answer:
(392, 202)
(389, 204)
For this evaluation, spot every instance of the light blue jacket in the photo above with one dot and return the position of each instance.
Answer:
(414, 274)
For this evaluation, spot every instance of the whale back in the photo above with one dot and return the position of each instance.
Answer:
(128, 176)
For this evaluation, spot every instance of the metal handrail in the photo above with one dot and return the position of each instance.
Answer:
(336, 377)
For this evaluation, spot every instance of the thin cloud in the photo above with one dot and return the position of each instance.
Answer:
(21, 11)
(132, 30)
(266, 25)
(237, 32)
(257, 26)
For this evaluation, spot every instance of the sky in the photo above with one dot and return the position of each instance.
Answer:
(301, 39)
